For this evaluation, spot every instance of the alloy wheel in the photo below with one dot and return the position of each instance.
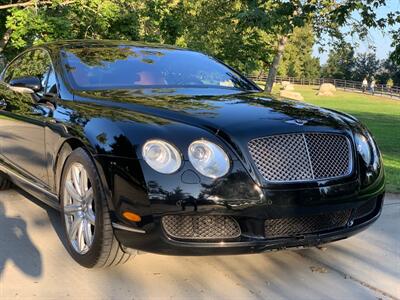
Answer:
(79, 208)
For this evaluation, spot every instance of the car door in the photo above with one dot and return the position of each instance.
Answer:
(22, 117)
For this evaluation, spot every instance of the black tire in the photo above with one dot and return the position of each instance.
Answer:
(5, 184)
(105, 250)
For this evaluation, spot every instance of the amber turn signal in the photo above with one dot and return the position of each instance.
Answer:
(131, 216)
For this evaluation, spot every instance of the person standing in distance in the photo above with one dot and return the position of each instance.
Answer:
(372, 85)
(364, 84)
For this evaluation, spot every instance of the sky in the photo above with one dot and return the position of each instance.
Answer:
(380, 39)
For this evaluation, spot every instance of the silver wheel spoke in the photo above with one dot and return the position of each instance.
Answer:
(83, 182)
(72, 209)
(75, 179)
(87, 232)
(88, 196)
(76, 224)
(72, 191)
(91, 217)
(80, 238)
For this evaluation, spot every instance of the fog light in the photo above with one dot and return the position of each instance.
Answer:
(131, 216)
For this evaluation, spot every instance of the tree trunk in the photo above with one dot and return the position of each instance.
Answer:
(4, 40)
(274, 67)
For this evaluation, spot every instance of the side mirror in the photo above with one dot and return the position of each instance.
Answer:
(30, 82)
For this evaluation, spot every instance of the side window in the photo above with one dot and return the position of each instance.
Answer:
(14, 67)
(51, 84)
(35, 63)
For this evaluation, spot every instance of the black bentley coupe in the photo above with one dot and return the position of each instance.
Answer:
(167, 150)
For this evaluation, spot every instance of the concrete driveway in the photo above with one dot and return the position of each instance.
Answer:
(34, 264)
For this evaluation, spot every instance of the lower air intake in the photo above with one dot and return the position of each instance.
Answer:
(295, 226)
(200, 227)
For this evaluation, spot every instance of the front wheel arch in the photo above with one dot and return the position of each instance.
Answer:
(106, 249)
(64, 151)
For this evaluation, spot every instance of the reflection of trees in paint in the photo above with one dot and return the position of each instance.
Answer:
(35, 63)
(173, 102)
(230, 186)
(99, 56)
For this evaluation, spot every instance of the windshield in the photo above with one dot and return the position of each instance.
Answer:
(127, 67)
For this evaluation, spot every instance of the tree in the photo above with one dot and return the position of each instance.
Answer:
(22, 15)
(250, 35)
(394, 18)
(389, 70)
(366, 64)
(340, 63)
(389, 83)
(213, 26)
(297, 60)
(395, 55)
(210, 26)
(37, 21)
(280, 18)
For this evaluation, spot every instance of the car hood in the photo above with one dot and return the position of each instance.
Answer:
(237, 115)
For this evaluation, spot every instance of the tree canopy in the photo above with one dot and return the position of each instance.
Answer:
(344, 63)
(297, 59)
(251, 35)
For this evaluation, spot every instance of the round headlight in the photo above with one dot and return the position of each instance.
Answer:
(363, 147)
(161, 156)
(208, 159)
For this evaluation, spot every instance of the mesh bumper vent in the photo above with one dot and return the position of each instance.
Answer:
(287, 227)
(201, 227)
(365, 209)
(302, 157)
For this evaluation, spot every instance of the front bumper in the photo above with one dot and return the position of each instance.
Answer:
(154, 239)
(237, 196)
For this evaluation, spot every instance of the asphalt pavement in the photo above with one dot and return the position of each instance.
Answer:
(35, 265)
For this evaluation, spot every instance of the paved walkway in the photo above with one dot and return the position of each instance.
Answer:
(35, 265)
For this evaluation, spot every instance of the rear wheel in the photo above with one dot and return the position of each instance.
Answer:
(85, 215)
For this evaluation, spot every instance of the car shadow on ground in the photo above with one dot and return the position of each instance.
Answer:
(53, 215)
(13, 236)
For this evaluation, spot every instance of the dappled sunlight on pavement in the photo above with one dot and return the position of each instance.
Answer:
(363, 267)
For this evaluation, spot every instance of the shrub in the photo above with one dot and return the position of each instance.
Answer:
(389, 83)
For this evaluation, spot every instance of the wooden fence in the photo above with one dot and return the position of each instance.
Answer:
(380, 89)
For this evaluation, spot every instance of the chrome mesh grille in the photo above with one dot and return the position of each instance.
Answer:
(200, 227)
(302, 157)
(330, 155)
(287, 227)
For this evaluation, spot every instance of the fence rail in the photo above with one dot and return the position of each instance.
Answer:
(380, 89)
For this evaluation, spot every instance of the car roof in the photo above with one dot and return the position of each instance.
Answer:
(71, 44)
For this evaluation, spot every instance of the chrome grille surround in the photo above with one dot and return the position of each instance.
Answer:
(302, 156)
(201, 227)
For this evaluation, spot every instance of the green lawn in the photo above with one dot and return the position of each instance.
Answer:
(381, 115)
